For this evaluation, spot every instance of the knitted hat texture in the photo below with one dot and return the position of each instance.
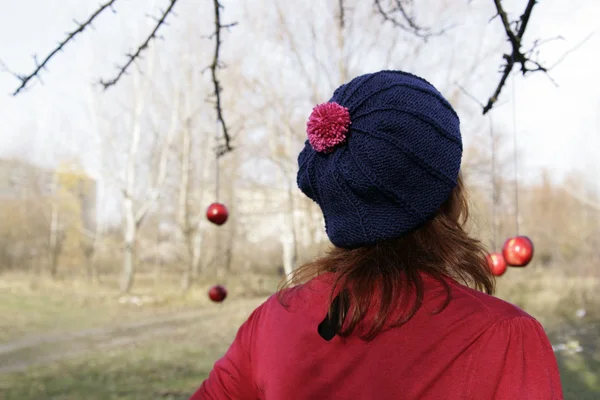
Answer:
(381, 157)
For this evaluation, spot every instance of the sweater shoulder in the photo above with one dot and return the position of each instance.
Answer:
(483, 304)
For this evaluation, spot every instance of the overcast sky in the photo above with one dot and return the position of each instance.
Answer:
(558, 128)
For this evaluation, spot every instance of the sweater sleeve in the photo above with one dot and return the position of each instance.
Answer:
(231, 377)
(516, 361)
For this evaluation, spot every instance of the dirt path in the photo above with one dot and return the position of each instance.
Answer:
(21, 354)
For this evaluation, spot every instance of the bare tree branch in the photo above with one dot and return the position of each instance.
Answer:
(132, 57)
(226, 147)
(341, 36)
(405, 22)
(285, 27)
(81, 27)
(342, 20)
(576, 47)
(469, 95)
(515, 36)
(582, 198)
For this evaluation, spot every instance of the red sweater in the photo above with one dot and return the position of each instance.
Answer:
(479, 347)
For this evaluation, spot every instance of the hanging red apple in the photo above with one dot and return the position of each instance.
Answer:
(496, 263)
(217, 213)
(217, 293)
(518, 251)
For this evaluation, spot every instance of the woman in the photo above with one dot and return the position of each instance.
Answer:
(396, 309)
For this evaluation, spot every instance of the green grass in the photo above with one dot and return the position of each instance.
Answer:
(580, 371)
(173, 366)
(155, 370)
(47, 306)
(580, 376)
(28, 313)
(554, 298)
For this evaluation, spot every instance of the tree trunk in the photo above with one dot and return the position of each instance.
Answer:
(342, 65)
(92, 269)
(89, 253)
(129, 246)
(133, 217)
(128, 267)
(196, 263)
(192, 265)
(185, 225)
(218, 257)
(88, 245)
(288, 237)
(187, 277)
(229, 244)
(55, 241)
(200, 224)
(158, 261)
(54, 260)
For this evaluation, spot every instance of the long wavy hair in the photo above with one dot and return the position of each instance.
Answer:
(440, 248)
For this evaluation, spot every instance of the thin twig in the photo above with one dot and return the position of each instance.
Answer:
(406, 22)
(226, 147)
(571, 50)
(132, 57)
(469, 95)
(582, 198)
(81, 27)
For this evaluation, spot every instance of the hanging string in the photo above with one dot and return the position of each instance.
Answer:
(514, 112)
(219, 242)
(494, 187)
(217, 162)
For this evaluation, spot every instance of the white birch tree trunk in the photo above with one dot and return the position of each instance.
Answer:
(130, 226)
(134, 215)
(288, 237)
(55, 245)
(288, 227)
(187, 230)
(56, 235)
(199, 223)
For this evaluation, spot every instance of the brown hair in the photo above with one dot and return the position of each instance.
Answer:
(440, 248)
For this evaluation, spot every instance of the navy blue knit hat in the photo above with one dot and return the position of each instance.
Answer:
(381, 157)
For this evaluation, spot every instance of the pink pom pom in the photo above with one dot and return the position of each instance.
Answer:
(327, 126)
